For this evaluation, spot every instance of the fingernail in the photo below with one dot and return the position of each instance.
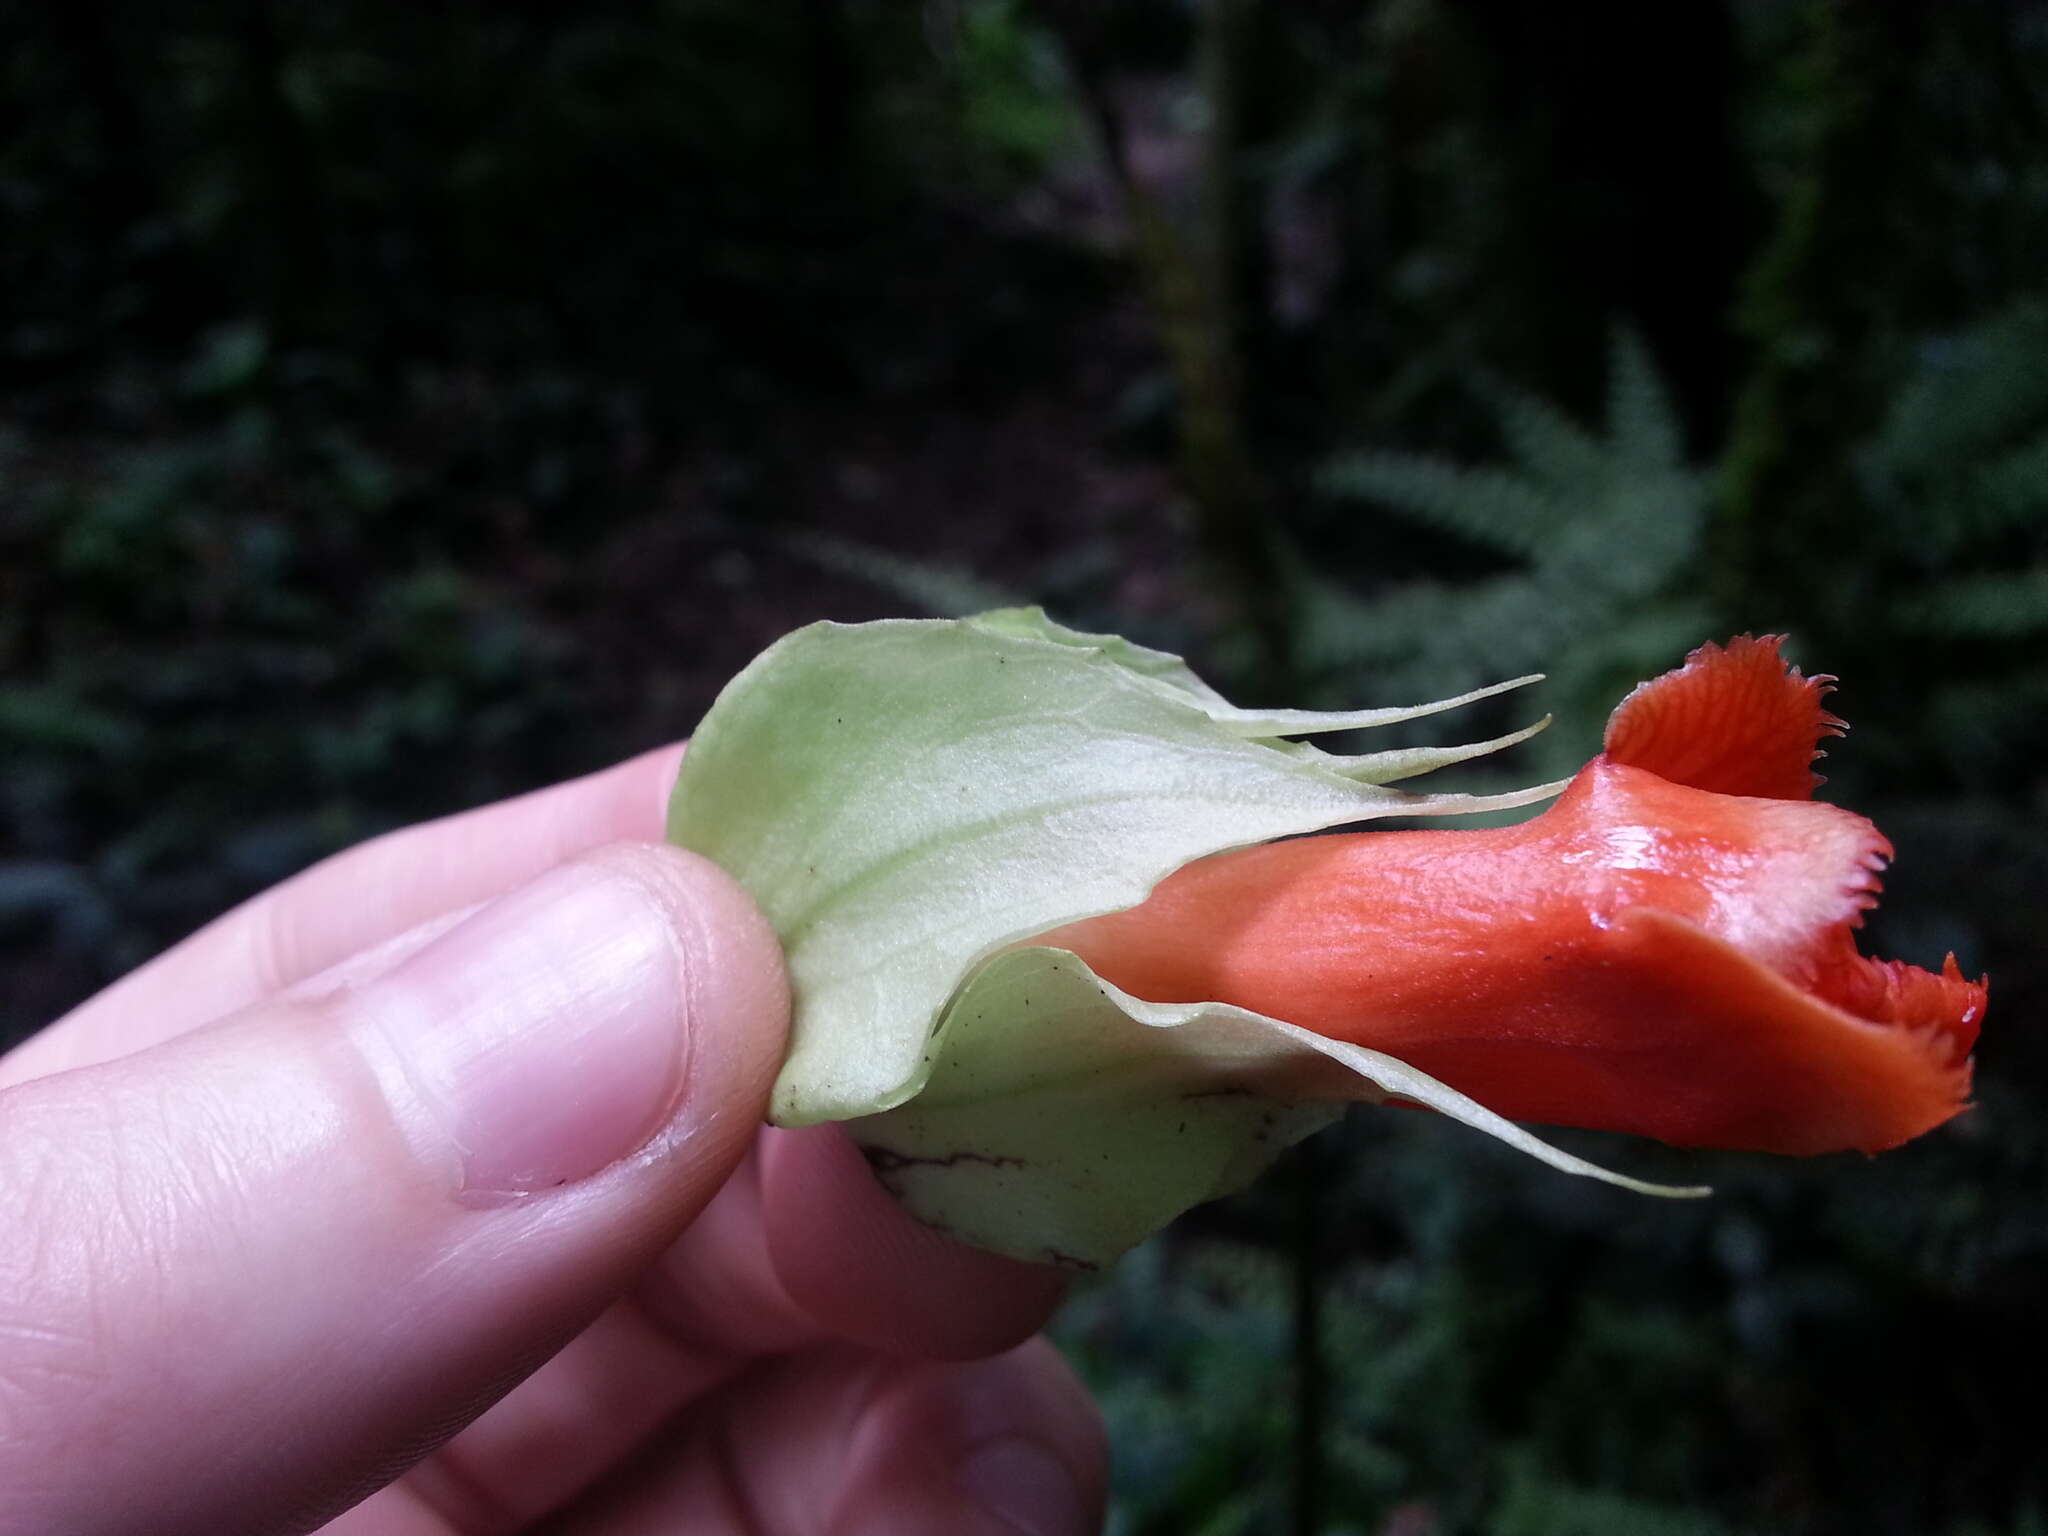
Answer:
(1024, 1485)
(545, 1034)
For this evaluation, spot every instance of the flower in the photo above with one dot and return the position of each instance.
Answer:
(935, 815)
(1669, 949)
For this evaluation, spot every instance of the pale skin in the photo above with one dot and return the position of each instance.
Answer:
(427, 1195)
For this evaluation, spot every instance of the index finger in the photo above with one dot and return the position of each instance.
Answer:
(351, 902)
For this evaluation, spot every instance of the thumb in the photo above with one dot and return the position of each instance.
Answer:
(252, 1273)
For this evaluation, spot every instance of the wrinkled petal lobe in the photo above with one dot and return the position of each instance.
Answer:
(1735, 720)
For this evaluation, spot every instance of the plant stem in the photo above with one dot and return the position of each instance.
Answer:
(1189, 280)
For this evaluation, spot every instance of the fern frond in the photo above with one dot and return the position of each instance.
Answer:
(1490, 507)
(1642, 422)
(944, 591)
(1423, 635)
(1632, 540)
(1604, 529)
(1962, 452)
(2012, 490)
(1971, 390)
(2004, 606)
(1555, 450)
(1337, 631)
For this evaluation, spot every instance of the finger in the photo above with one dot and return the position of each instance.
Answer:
(354, 901)
(858, 1268)
(259, 1269)
(848, 1255)
(562, 1430)
(590, 1407)
(717, 1301)
(853, 1444)
(1012, 1445)
(804, 1246)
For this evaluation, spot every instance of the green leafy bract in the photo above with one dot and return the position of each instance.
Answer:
(1065, 1121)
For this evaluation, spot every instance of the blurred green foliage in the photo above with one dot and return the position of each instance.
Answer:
(400, 407)
(1602, 534)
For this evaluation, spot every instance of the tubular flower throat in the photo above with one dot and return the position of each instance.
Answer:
(1669, 949)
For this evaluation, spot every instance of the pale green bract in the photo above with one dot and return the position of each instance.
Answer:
(911, 800)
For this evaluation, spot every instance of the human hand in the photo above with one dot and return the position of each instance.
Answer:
(427, 1194)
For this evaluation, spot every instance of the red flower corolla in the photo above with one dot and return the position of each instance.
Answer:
(1669, 949)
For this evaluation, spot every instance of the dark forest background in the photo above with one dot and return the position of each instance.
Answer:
(402, 406)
